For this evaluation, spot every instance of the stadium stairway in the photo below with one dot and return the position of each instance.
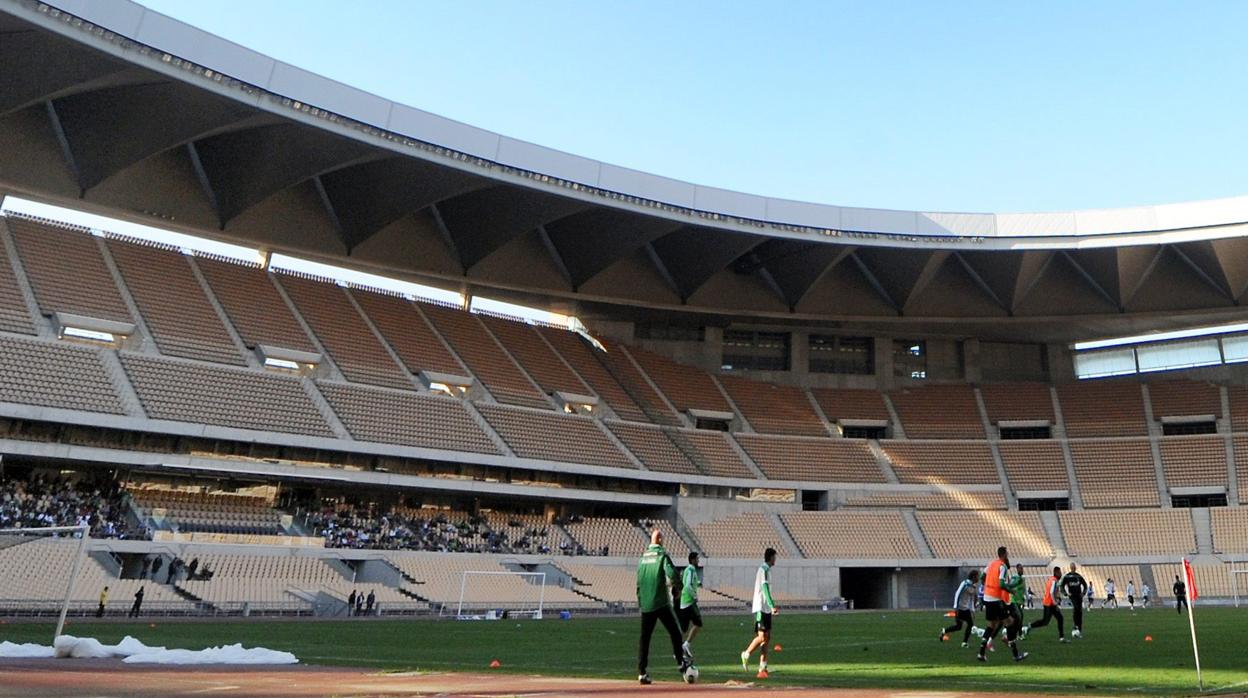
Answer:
(791, 548)
(916, 532)
(881, 459)
(1203, 527)
(1053, 529)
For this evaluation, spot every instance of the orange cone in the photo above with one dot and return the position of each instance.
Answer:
(778, 648)
(951, 614)
(1148, 638)
(762, 674)
(495, 664)
(151, 625)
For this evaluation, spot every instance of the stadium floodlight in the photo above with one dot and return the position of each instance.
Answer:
(10, 537)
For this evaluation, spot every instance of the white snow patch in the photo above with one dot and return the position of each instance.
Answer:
(133, 651)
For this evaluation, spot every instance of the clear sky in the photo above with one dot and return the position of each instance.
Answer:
(979, 106)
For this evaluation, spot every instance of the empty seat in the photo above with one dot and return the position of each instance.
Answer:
(976, 535)
(1135, 532)
(394, 417)
(1102, 408)
(1194, 461)
(14, 316)
(66, 270)
(942, 462)
(253, 304)
(1184, 398)
(939, 412)
(408, 333)
(172, 302)
(55, 375)
(589, 364)
(686, 387)
(851, 534)
(244, 399)
(1018, 402)
(535, 356)
(1034, 464)
(744, 536)
(1115, 472)
(801, 458)
(484, 356)
(773, 409)
(549, 436)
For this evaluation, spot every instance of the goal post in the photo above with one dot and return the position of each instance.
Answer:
(12, 537)
(486, 595)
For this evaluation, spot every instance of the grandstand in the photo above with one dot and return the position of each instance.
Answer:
(898, 390)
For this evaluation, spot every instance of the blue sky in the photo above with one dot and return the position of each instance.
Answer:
(983, 106)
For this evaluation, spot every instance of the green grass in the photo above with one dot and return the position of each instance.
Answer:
(864, 649)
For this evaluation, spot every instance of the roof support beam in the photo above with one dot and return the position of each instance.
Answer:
(930, 268)
(875, 283)
(554, 253)
(979, 281)
(1100, 290)
(449, 239)
(66, 150)
(662, 269)
(1220, 288)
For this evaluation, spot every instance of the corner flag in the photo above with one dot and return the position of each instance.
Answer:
(1192, 595)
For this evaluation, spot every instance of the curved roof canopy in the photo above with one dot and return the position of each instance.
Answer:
(130, 112)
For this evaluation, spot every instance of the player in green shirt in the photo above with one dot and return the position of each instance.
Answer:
(688, 614)
(655, 574)
(1016, 584)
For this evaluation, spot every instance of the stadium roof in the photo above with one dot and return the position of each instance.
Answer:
(122, 110)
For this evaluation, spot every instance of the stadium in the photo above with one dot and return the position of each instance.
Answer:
(323, 463)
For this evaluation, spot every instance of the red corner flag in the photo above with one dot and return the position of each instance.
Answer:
(1192, 594)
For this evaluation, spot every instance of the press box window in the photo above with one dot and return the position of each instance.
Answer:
(844, 355)
(909, 358)
(746, 350)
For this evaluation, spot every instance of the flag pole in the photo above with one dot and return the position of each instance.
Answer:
(1191, 619)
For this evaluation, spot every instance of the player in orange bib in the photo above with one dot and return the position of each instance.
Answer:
(1052, 607)
(996, 602)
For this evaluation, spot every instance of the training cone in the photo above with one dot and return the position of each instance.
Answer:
(1148, 638)
(944, 638)
(151, 625)
(778, 648)
(495, 664)
(951, 614)
(762, 674)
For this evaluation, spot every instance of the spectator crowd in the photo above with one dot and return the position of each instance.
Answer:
(39, 502)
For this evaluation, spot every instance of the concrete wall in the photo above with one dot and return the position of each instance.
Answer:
(696, 510)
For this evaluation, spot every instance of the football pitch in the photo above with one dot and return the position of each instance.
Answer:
(883, 649)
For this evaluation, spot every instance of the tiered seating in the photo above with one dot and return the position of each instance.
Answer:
(611, 584)
(188, 392)
(1034, 465)
(1240, 446)
(851, 534)
(14, 316)
(67, 271)
(564, 438)
(258, 312)
(1018, 402)
(1156, 532)
(55, 375)
(33, 576)
(1194, 461)
(1102, 408)
(672, 542)
(344, 334)
(942, 462)
(618, 537)
(939, 412)
(686, 387)
(465, 333)
(174, 307)
(976, 535)
(408, 333)
(1238, 397)
(527, 532)
(713, 452)
(1181, 398)
(850, 403)
(773, 409)
(538, 359)
(585, 360)
(950, 499)
(743, 536)
(1212, 581)
(1230, 530)
(440, 579)
(621, 366)
(409, 419)
(213, 513)
(267, 582)
(800, 458)
(652, 447)
(1115, 473)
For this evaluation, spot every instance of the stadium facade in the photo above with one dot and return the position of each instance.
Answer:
(884, 395)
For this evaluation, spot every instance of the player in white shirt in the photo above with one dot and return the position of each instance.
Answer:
(1109, 594)
(764, 608)
(1131, 593)
(1145, 592)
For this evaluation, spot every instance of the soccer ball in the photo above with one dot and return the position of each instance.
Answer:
(691, 674)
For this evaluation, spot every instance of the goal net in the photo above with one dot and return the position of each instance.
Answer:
(495, 595)
(39, 570)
